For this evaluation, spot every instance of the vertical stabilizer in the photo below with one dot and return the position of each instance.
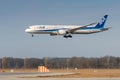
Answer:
(102, 22)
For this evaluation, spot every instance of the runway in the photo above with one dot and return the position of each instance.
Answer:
(26, 76)
(31, 74)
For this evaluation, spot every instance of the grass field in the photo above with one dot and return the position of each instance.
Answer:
(79, 73)
(91, 73)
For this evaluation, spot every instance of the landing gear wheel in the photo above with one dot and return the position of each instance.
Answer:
(67, 36)
(32, 35)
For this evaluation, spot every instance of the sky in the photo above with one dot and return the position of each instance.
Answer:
(17, 15)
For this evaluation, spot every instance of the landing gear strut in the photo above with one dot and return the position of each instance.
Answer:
(32, 35)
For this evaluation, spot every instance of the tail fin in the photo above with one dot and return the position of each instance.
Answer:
(102, 22)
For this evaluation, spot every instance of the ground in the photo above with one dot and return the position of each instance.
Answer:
(90, 73)
(78, 73)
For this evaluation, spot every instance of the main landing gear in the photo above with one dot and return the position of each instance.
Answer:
(67, 36)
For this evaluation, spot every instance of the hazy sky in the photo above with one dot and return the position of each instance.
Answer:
(17, 15)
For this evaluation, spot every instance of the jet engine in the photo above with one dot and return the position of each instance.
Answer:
(61, 32)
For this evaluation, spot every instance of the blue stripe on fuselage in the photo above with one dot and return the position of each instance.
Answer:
(52, 30)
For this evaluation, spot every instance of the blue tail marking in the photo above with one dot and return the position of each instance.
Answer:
(102, 22)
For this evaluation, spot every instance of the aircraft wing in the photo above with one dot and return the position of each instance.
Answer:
(74, 29)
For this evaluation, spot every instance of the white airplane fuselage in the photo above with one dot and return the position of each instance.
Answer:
(47, 29)
(68, 29)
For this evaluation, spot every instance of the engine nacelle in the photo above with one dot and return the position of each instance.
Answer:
(53, 34)
(61, 32)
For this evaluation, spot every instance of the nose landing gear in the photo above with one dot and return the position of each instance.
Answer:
(32, 35)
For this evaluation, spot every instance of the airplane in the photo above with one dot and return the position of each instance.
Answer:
(68, 30)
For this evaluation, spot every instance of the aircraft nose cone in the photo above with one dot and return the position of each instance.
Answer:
(27, 30)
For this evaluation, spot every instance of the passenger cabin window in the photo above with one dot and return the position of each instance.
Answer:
(42, 27)
(37, 27)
